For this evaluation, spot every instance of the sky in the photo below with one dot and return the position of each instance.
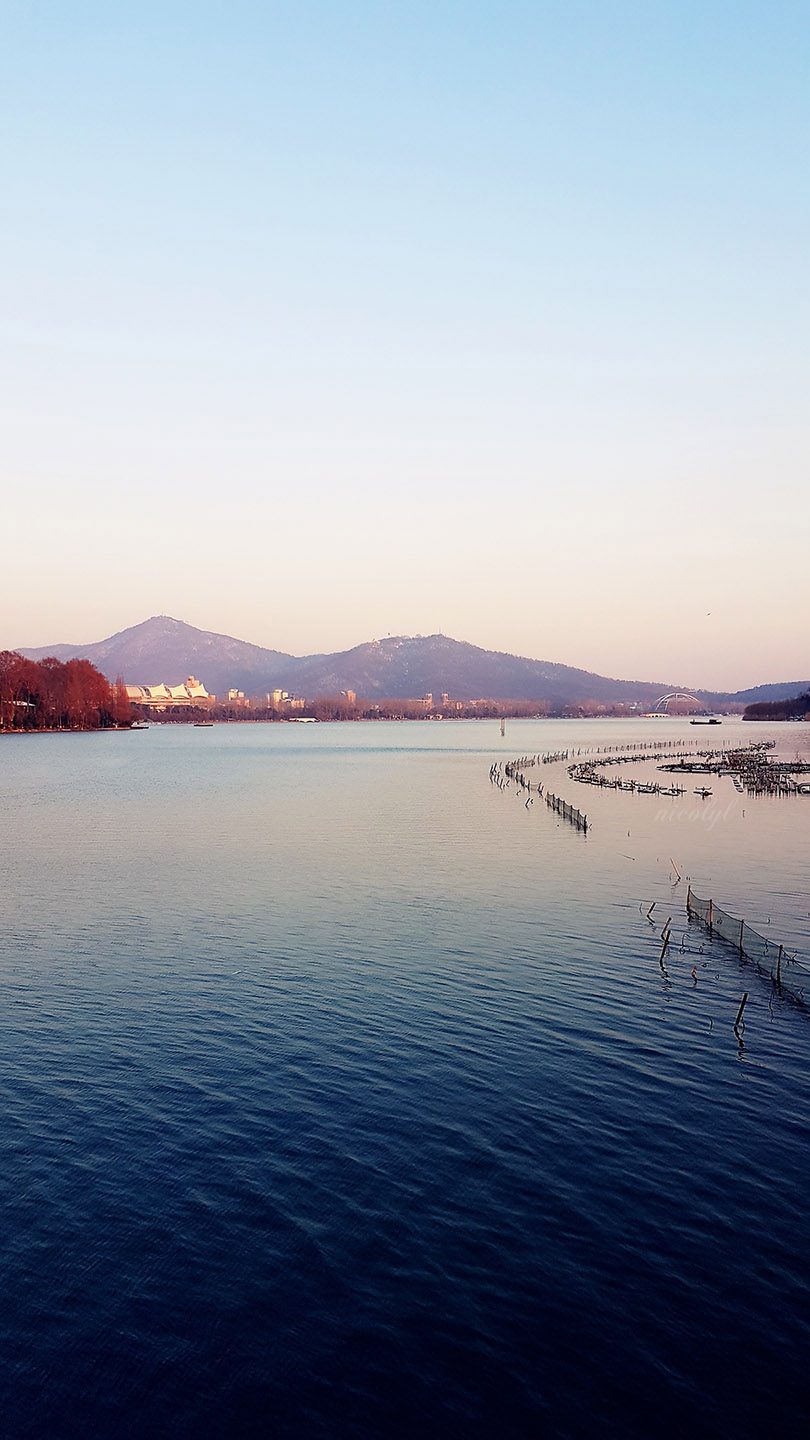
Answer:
(324, 321)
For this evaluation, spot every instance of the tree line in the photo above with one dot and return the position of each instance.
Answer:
(326, 707)
(53, 694)
(794, 709)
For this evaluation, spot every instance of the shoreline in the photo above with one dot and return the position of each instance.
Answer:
(76, 730)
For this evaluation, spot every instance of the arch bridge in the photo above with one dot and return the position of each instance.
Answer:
(677, 697)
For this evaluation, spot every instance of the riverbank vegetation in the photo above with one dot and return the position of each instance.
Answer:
(328, 708)
(797, 708)
(55, 695)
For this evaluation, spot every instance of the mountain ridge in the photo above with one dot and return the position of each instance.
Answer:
(162, 648)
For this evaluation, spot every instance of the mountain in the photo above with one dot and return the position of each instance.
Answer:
(163, 649)
(405, 665)
(783, 690)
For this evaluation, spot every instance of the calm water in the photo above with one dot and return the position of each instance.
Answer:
(343, 1094)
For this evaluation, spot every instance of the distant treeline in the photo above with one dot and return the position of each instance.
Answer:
(55, 695)
(794, 709)
(329, 709)
(336, 708)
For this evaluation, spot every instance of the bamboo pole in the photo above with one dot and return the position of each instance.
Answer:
(740, 1011)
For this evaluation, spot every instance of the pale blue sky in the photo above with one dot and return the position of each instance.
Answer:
(322, 321)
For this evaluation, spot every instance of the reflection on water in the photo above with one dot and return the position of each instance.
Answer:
(346, 1094)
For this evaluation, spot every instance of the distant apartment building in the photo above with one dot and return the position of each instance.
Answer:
(350, 696)
(165, 697)
(281, 700)
(239, 699)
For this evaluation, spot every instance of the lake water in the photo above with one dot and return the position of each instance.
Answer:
(343, 1094)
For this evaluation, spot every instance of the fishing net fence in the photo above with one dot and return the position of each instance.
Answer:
(568, 812)
(772, 957)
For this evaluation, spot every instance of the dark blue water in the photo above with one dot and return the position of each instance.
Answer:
(344, 1096)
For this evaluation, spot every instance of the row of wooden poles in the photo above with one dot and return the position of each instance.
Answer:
(666, 936)
(568, 812)
(514, 770)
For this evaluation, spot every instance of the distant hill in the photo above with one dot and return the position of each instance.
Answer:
(163, 649)
(794, 708)
(405, 665)
(784, 690)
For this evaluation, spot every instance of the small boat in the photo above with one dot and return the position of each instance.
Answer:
(706, 720)
(703, 792)
(203, 724)
(139, 725)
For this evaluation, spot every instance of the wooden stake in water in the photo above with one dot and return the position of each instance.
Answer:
(739, 1019)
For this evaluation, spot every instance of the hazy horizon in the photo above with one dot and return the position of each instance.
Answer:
(328, 322)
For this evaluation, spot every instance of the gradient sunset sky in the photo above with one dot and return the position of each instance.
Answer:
(323, 321)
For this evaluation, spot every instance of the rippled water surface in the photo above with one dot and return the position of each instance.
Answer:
(343, 1094)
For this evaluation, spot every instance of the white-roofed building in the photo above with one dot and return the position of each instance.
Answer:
(160, 697)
